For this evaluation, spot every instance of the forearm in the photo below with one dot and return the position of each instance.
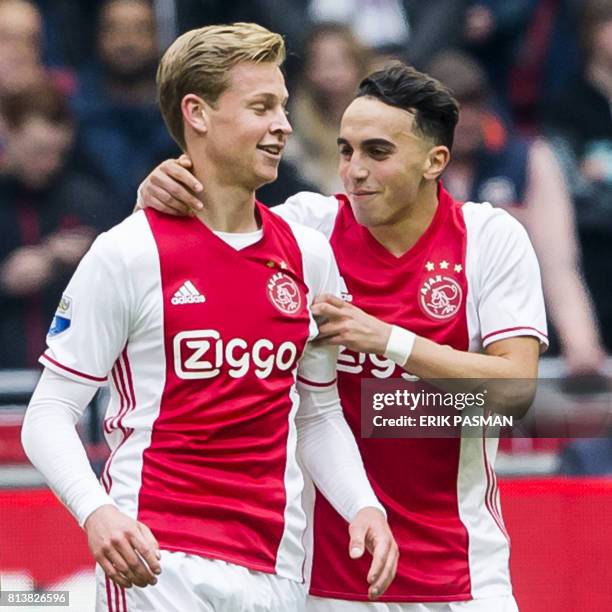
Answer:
(53, 446)
(570, 308)
(328, 451)
(508, 372)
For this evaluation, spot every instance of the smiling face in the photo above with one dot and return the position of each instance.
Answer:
(247, 127)
(383, 161)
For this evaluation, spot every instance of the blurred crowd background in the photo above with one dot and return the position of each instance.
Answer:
(80, 129)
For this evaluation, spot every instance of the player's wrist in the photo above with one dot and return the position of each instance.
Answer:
(399, 345)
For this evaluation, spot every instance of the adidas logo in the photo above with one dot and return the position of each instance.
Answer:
(187, 294)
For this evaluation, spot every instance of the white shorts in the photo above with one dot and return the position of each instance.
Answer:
(189, 583)
(494, 604)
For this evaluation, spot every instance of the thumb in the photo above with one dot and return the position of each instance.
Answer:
(357, 539)
(185, 161)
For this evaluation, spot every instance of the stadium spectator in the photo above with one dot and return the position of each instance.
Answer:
(121, 129)
(20, 52)
(410, 28)
(334, 63)
(579, 124)
(493, 31)
(47, 217)
(493, 163)
(544, 60)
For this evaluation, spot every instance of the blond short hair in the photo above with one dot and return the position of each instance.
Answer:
(199, 61)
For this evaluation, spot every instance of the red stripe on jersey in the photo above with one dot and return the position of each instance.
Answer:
(213, 476)
(316, 384)
(127, 404)
(123, 601)
(491, 490)
(117, 600)
(511, 329)
(72, 370)
(109, 601)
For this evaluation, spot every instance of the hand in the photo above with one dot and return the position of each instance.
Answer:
(349, 326)
(369, 529)
(126, 549)
(27, 270)
(170, 188)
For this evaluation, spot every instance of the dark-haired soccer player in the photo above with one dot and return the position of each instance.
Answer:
(453, 291)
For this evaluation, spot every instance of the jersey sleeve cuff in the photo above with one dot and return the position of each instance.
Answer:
(512, 332)
(59, 368)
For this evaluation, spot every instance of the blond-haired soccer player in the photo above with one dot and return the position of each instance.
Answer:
(449, 290)
(203, 328)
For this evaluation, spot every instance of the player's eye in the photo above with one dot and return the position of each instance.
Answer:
(345, 151)
(260, 109)
(379, 153)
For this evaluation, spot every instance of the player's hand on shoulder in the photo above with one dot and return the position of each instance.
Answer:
(126, 549)
(370, 530)
(171, 188)
(341, 323)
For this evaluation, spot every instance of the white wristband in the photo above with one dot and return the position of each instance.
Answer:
(399, 345)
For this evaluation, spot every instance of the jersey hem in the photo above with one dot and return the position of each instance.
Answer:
(422, 599)
(207, 554)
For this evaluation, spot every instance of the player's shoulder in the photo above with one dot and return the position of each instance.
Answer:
(312, 243)
(489, 224)
(125, 243)
(311, 209)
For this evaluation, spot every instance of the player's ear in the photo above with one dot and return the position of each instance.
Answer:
(195, 113)
(437, 159)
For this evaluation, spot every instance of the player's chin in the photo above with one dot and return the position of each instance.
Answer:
(367, 217)
(267, 174)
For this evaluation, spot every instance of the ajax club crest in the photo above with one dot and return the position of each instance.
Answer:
(284, 293)
(440, 295)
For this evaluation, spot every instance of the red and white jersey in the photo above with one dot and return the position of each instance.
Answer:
(202, 344)
(471, 279)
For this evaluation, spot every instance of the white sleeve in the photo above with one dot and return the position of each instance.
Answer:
(312, 210)
(509, 288)
(326, 445)
(52, 444)
(91, 324)
(328, 451)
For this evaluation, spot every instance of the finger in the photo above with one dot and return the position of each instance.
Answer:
(185, 161)
(113, 573)
(329, 298)
(160, 202)
(181, 174)
(380, 547)
(139, 571)
(357, 540)
(389, 572)
(380, 585)
(172, 190)
(150, 552)
(323, 309)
